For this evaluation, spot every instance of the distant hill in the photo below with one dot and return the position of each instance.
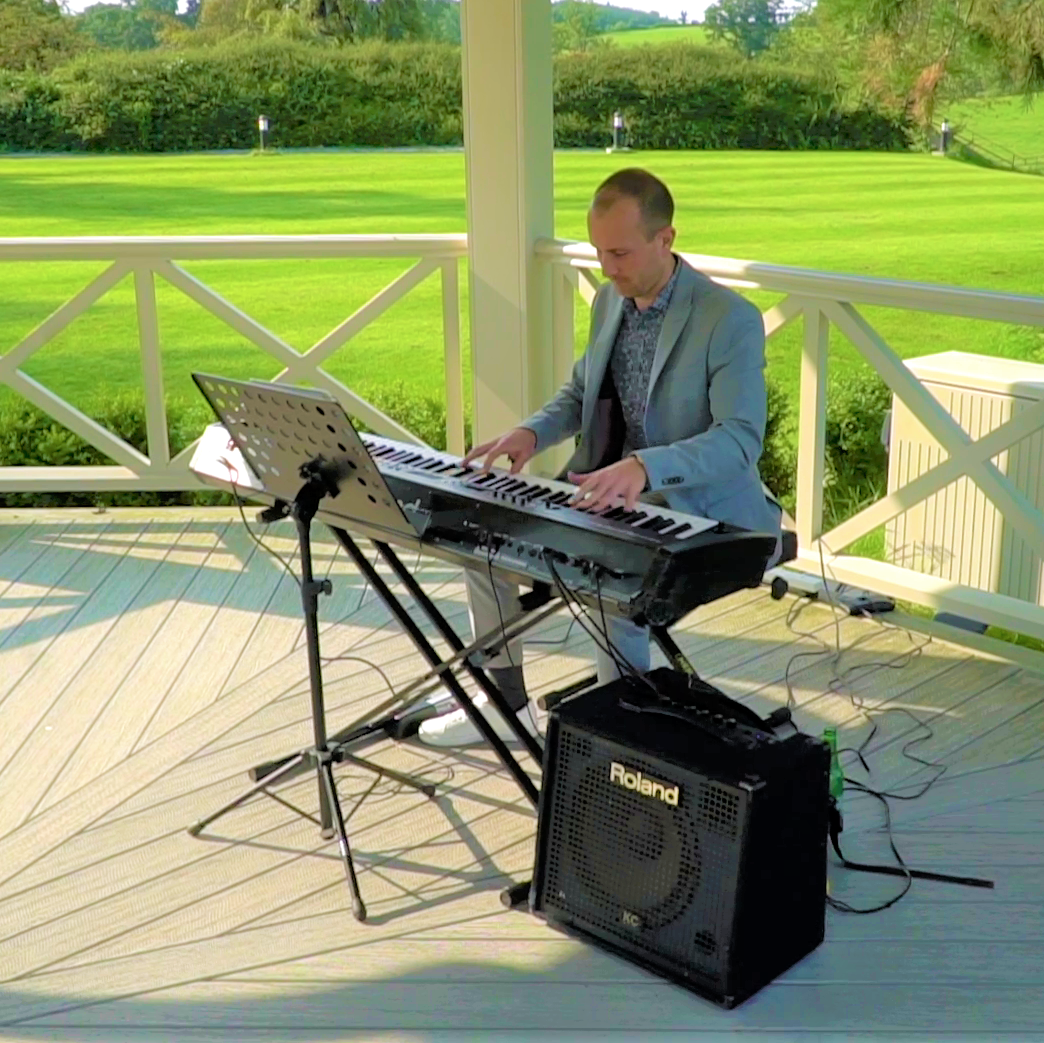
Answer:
(1003, 129)
(660, 34)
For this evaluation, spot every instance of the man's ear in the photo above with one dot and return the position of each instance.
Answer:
(668, 234)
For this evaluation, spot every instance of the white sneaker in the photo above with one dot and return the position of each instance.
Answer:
(456, 729)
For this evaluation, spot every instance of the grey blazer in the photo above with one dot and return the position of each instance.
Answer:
(705, 413)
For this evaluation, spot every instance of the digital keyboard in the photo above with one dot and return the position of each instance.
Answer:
(651, 564)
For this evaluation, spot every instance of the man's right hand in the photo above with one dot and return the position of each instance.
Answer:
(519, 444)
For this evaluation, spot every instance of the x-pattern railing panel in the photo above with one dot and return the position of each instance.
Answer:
(143, 260)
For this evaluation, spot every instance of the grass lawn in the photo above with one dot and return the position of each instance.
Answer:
(1009, 125)
(911, 217)
(658, 35)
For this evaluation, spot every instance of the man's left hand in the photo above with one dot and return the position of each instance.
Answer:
(619, 484)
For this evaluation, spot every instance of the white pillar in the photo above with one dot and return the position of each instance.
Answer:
(508, 141)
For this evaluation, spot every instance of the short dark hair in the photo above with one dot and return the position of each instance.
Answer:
(651, 194)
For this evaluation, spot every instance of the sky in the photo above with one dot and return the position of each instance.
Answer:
(666, 8)
(669, 8)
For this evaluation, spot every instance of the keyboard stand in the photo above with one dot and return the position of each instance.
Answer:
(391, 726)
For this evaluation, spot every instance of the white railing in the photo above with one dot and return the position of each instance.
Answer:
(822, 300)
(145, 259)
(819, 300)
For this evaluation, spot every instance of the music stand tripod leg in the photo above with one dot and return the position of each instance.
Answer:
(321, 755)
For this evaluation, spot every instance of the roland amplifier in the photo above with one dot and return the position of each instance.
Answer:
(677, 830)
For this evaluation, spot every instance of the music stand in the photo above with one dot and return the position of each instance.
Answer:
(284, 433)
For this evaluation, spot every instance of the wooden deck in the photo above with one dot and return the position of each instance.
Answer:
(147, 659)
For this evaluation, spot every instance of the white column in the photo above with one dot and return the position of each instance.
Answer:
(508, 139)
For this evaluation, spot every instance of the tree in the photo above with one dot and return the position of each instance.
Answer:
(134, 25)
(34, 36)
(351, 21)
(914, 54)
(576, 26)
(748, 25)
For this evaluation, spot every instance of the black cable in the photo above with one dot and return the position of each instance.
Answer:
(232, 471)
(901, 869)
(836, 685)
(557, 640)
(496, 598)
(365, 662)
(569, 597)
(835, 829)
(618, 657)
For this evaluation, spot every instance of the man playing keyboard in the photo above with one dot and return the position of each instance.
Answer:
(669, 402)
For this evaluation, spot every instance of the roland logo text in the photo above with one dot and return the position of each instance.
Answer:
(635, 780)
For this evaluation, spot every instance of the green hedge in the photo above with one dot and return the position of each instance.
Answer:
(30, 115)
(681, 97)
(381, 95)
(30, 438)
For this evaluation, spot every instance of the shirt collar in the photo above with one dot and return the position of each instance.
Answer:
(663, 298)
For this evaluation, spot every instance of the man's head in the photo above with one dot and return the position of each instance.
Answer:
(629, 224)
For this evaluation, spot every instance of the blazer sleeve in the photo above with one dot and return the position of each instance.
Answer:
(736, 390)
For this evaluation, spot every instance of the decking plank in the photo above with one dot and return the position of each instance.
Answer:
(130, 676)
(31, 701)
(223, 554)
(54, 760)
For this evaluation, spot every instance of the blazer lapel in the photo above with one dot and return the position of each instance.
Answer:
(678, 311)
(601, 350)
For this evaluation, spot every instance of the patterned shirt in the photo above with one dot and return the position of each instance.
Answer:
(632, 360)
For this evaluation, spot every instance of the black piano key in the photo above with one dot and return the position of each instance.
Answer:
(656, 523)
(676, 529)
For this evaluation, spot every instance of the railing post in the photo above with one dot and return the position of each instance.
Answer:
(452, 360)
(564, 285)
(812, 427)
(151, 366)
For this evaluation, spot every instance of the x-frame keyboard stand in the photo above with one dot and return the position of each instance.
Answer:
(537, 607)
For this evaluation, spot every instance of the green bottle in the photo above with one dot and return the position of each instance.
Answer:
(837, 776)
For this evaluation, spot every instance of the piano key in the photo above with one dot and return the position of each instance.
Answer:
(675, 530)
(656, 523)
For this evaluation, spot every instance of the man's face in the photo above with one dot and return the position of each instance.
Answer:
(632, 261)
